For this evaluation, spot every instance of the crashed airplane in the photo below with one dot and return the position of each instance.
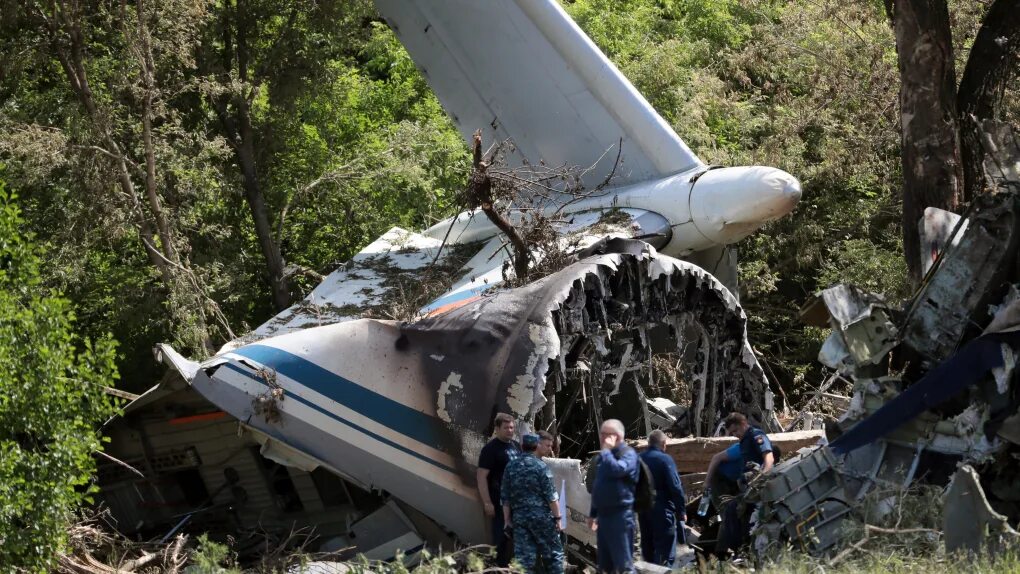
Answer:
(405, 407)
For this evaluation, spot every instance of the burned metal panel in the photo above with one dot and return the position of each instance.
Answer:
(804, 501)
(862, 330)
(611, 300)
(969, 276)
(969, 521)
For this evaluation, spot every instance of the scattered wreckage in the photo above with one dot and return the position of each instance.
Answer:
(326, 398)
(936, 395)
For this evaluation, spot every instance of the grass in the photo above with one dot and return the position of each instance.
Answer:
(893, 562)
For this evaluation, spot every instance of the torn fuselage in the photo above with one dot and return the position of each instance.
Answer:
(405, 408)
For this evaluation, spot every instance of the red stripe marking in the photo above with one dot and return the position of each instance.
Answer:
(213, 416)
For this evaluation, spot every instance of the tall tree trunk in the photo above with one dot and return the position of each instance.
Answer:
(245, 152)
(241, 135)
(932, 173)
(994, 57)
(147, 68)
(64, 24)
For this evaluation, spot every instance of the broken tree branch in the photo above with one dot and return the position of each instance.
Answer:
(868, 530)
(121, 463)
(479, 195)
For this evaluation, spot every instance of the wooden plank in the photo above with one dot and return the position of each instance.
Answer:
(693, 483)
(694, 453)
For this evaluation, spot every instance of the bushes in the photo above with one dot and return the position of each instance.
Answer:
(51, 403)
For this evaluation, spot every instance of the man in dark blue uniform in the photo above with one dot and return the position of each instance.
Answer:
(756, 453)
(755, 447)
(612, 500)
(659, 525)
(725, 481)
(492, 461)
(531, 505)
(754, 443)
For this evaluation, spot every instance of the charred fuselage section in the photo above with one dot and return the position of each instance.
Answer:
(577, 347)
(405, 408)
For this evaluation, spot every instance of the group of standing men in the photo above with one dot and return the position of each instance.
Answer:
(617, 474)
(519, 495)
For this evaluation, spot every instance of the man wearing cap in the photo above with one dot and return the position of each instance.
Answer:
(531, 510)
(756, 452)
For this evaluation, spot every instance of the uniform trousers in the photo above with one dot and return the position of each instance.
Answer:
(536, 537)
(658, 536)
(615, 539)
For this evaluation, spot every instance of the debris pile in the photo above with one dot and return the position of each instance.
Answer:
(936, 397)
(93, 549)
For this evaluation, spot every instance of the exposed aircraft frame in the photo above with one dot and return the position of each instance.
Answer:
(405, 408)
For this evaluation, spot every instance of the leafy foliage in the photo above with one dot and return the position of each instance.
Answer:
(51, 403)
(810, 87)
(349, 142)
(212, 558)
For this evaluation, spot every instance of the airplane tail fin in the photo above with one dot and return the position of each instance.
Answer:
(524, 70)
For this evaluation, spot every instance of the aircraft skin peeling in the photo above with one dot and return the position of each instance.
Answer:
(523, 398)
(445, 392)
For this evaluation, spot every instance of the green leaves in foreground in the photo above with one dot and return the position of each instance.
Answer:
(51, 403)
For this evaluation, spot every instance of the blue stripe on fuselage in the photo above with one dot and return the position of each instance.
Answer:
(341, 420)
(391, 414)
(454, 297)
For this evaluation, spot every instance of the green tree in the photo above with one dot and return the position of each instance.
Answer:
(51, 403)
(120, 67)
(334, 133)
(807, 86)
(344, 135)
